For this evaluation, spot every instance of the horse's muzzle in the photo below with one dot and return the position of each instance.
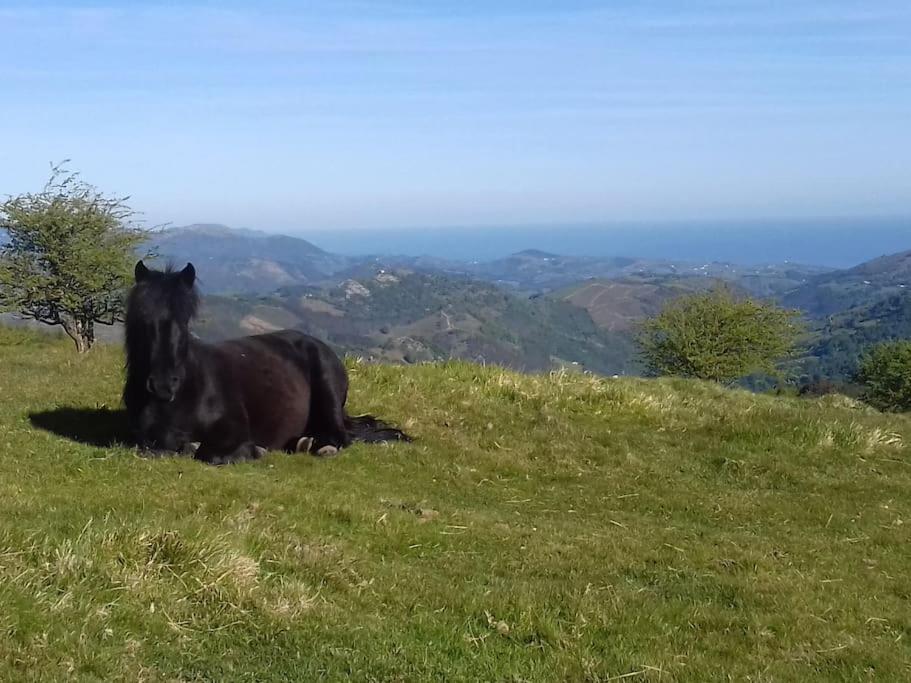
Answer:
(163, 389)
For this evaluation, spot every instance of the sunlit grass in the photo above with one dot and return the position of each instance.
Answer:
(541, 528)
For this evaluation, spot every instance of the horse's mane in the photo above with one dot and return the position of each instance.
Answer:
(162, 294)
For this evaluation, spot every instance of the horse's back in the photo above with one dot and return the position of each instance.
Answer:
(324, 368)
(279, 373)
(269, 375)
(294, 345)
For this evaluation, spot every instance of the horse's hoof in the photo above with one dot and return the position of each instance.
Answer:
(259, 452)
(191, 447)
(304, 444)
(327, 451)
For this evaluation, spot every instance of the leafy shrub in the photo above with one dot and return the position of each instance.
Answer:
(69, 256)
(886, 374)
(717, 336)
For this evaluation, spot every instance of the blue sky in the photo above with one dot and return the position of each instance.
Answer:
(322, 115)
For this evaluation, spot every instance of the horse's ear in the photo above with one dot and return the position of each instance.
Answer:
(140, 272)
(188, 275)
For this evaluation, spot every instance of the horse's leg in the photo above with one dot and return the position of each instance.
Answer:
(191, 447)
(328, 393)
(228, 441)
(158, 434)
(222, 454)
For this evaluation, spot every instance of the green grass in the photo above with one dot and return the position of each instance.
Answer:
(541, 528)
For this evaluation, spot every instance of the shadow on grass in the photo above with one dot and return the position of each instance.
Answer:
(101, 427)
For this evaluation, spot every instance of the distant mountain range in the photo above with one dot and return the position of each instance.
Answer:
(836, 291)
(246, 261)
(531, 310)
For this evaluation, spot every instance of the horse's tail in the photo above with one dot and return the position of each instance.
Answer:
(369, 429)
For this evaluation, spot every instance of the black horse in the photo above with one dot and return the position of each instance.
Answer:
(234, 400)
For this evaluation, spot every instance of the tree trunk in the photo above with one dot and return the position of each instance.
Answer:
(82, 332)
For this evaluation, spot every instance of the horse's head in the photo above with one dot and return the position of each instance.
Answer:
(159, 310)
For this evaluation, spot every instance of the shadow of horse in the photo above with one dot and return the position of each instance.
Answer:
(102, 427)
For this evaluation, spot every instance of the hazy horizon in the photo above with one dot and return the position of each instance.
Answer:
(829, 242)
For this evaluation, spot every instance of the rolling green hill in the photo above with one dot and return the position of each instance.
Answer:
(411, 317)
(554, 527)
(851, 311)
(842, 340)
(618, 305)
(246, 261)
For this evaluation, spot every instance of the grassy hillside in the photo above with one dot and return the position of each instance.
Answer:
(541, 528)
